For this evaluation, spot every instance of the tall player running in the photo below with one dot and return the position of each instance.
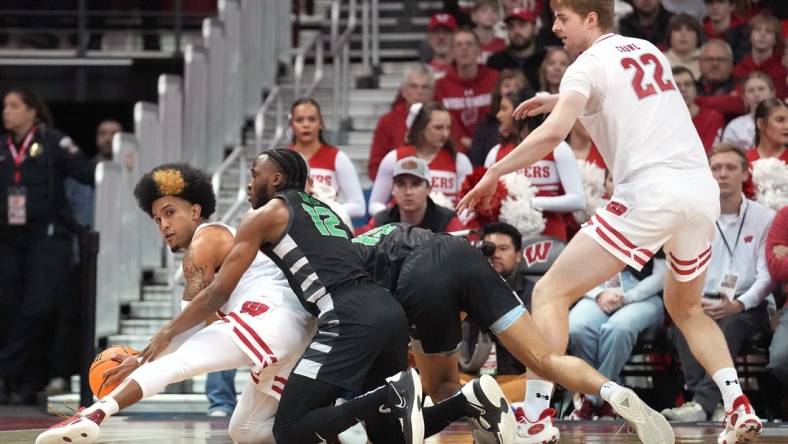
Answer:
(623, 92)
(264, 325)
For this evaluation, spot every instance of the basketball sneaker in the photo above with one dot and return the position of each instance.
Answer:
(741, 424)
(489, 410)
(77, 429)
(405, 401)
(541, 431)
(651, 426)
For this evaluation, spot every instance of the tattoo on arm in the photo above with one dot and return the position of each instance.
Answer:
(195, 278)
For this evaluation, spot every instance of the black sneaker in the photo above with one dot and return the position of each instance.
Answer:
(488, 407)
(405, 401)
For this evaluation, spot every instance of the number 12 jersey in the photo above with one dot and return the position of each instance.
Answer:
(635, 113)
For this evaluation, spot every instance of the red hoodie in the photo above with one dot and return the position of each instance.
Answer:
(468, 101)
(389, 134)
(772, 67)
(778, 235)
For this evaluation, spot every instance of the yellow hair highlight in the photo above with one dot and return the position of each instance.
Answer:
(170, 182)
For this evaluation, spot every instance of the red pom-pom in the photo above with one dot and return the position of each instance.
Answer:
(483, 216)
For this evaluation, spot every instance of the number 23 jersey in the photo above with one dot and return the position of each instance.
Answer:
(315, 252)
(635, 113)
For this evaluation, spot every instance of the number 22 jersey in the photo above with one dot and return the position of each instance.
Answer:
(635, 113)
(315, 252)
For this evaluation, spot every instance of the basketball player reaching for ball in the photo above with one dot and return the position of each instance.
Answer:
(623, 92)
(263, 325)
(437, 276)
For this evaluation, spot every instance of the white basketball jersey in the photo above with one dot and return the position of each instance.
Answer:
(263, 282)
(635, 114)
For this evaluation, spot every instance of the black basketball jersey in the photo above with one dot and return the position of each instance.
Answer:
(315, 252)
(384, 249)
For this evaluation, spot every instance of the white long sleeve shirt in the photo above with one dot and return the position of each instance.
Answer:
(749, 254)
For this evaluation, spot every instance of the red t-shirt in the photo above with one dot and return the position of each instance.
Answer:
(491, 47)
(468, 101)
(708, 122)
(752, 156)
(389, 134)
(778, 235)
(772, 67)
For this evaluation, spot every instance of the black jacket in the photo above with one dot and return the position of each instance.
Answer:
(435, 218)
(505, 58)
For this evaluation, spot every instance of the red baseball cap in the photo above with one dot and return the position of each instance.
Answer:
(442, 20)
(523, 14)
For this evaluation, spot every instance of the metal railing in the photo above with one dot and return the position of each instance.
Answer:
(314, 45)
(340, 54)
(370, 44)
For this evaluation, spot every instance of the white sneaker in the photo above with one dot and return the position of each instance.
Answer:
(77, 429)
(541, 431)
(405, 399)
(491, 409)
(719, 414)
(741, 424)
(652, 428)
(688, 412)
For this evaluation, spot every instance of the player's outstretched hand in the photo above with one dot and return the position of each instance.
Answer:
(158, 343)
(480, 194)
(128, 364)
(539, 104)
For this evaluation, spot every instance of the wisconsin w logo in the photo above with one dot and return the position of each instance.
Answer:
(537, 253)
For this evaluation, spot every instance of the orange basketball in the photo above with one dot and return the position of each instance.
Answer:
(101, 364)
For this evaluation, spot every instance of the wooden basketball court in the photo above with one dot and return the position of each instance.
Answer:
(188, 429)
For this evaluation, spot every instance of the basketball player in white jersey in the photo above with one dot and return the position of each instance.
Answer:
(261, 325)
(622, 91)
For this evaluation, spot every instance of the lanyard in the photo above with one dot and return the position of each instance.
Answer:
(19, 155)
(738, 234)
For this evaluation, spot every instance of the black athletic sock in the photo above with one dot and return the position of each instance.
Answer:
(367, 405)
(439, 416)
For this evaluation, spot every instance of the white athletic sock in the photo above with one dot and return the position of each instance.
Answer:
(728, 381)
(107, 404)
(537, 397)
(607, 390)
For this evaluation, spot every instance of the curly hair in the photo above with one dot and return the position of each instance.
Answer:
(179, 180)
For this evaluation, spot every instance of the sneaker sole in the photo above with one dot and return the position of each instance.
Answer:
(490, 389)
(747, 432)
(651, 426)
(82, 432)
(415, 416)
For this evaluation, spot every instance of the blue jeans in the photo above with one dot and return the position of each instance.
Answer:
(606, 341)
(220, 389)
(778, 351)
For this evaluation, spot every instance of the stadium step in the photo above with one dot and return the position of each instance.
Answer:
(151, 309)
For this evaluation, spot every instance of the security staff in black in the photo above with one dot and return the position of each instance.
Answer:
(36, 231)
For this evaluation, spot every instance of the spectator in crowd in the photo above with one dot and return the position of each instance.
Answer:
(648, 21)
(507, 261)
(765, 54)
(771, 136)
(707, 121)
(523, 52)
(722, 23)
(685, 35)
(694, 8)
(583, 147)
(485, 15)
(105, 131)
(556, 177)
(716, 86)
(466, 91)
(327, 164)
(427, 139)
(436, 51)
(737, 282)
(418, 86)
(605, 324)
(36, 232)
(412, 186)
(777, 263)
(487, 134)
(553, 67)
(741, 130)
